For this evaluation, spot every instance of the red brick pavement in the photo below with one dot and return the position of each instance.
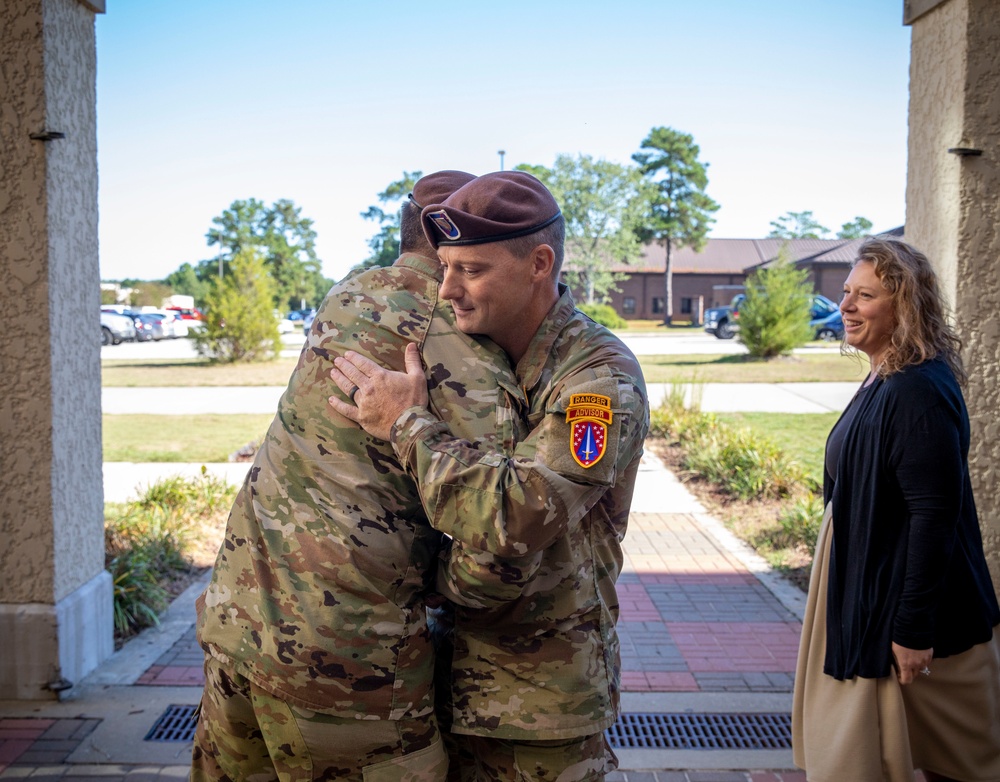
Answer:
(693, 618)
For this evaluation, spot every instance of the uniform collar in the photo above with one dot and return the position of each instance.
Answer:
(421, 263)
(529, 368)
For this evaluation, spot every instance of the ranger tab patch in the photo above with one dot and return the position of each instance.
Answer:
(590, 416)
(444, 224)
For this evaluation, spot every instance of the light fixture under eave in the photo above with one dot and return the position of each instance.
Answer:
(965, 151)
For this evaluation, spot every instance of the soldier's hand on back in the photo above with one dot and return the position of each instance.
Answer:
(379, 395)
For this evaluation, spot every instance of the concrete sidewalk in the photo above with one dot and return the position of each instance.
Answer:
(714, 398)
(708, 632)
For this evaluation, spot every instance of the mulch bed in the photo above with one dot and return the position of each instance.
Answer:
(748, 520)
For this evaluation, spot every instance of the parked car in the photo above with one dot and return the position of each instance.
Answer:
(186, 314)
(719, 322)
(151, 326)
(116, 328)
(829, 328)
(724, 322)
(301, 314)
(173, 325)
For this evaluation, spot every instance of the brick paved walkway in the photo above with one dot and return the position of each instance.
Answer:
(694, 619)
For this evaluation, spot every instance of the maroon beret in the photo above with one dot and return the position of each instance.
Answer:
(435, 188)
(491, 208)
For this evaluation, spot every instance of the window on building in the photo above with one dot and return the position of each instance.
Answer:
(686, 306)
(628, 305)
(658, 305)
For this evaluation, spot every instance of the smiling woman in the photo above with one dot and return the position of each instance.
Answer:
(899, 664)
(868, 313)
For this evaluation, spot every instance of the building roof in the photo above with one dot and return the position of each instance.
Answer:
(740, 256)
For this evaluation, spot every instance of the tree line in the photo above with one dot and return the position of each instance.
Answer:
(613, 210)
(267, 253)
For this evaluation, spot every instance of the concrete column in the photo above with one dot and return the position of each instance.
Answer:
(55, 596)
(953, 206)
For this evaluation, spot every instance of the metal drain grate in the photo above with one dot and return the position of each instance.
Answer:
(701, 731)
(631, 731)
(177, 723)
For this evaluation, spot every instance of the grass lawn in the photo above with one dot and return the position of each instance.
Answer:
(657, 327)
(179, 438)
(708, 368)
(194, 372)
(802, 436)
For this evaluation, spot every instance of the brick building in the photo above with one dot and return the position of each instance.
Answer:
(712, 277)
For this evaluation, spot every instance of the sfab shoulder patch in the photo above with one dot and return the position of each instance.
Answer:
(590, 416)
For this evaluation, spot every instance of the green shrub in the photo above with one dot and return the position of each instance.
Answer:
(774, 316)
(678, 423)
(800, 521)
(145, 543)
(138, 596)
(745, 464)
(240, 324)
(603, 314)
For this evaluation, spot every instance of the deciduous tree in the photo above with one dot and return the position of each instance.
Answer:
(604, 205)
(797, 225)
(186, 280)
(680, 211)
(149, 294)
(286, 241)
(857, 228)
(385, 243)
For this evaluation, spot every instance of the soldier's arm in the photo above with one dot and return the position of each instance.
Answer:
(508, 506)
(538, 492)
(498, 506)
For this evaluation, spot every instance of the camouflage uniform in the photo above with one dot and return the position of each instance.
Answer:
(536, 652)
(317, 596)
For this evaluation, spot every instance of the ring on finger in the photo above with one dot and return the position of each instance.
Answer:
(352, 392)
(925, 671)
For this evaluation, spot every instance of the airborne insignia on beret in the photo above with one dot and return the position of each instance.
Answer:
(444, 224)
(590, 416)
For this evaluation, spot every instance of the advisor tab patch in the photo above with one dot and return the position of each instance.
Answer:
(590, 416)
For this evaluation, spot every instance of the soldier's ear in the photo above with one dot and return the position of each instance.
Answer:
(542, 259)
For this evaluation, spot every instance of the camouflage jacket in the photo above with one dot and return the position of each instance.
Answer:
(318, 588)
(536, 652)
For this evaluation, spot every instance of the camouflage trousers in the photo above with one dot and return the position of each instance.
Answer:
(480, 759)
(245, 734)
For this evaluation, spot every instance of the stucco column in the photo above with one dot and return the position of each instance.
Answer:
(953, 206)
(55, 596)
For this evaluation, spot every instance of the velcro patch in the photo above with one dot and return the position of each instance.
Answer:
(590, 416)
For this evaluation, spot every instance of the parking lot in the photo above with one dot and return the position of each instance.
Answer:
(644, 344)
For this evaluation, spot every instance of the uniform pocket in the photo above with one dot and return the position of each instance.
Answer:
(429, 764)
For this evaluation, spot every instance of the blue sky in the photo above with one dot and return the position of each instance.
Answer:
(796, 105)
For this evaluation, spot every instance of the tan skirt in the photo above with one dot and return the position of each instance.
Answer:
(866, 730)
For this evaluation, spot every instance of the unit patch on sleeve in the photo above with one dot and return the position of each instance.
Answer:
(590, 416)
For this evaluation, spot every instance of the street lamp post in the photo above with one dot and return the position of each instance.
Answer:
(501, 153)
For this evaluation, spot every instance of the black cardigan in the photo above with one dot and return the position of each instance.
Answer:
(907, 561)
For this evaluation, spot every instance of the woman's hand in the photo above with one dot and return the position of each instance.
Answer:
(911, 663)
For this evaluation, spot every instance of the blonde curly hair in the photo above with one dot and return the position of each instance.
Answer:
(922, 330)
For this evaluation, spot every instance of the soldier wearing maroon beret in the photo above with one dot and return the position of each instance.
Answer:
(536, 670)
(318, 660)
